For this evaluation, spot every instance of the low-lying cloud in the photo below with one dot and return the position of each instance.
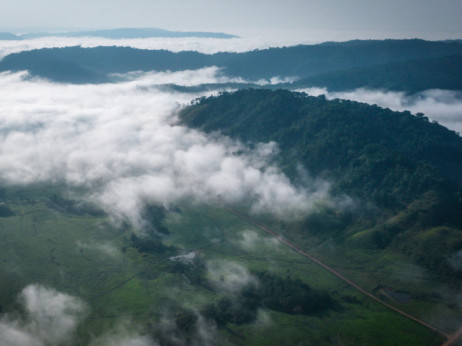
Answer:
(443, 106)
(123, 335)
(229, 276)
(200, 331)
(105, 248)
(205, 75)
(202, 45)
(251, 240)
(122, 143)
(247, 42)
(50, 318)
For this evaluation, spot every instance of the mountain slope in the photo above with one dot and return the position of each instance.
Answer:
(298, 61)
(103, 60)
(330, 135)
(411, 76)
(309, 60)
(406, 166)
(55, 69)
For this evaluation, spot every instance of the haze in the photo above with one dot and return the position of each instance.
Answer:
(332, 18)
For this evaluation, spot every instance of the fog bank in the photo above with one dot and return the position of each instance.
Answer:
(122, 142)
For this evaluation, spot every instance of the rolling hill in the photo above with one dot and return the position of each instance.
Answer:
(406, 167)
(408, 65)
(409, 76)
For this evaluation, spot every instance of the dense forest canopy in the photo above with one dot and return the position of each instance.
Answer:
(410, 76)
(402, 163)
(340, 137)
(408, 65)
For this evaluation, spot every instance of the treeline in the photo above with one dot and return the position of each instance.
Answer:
(272, 292)
(318, 62)
(370, 152)
(410, 76)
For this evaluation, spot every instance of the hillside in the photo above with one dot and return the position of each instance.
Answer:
(410, 76)
(403, 164)
(99, 61)
(309, 60)
(304, 61)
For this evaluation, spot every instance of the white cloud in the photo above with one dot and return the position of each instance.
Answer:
(201, 332)
(123, 340)
(186, 258)
(51, 318)
(123, 335)
(121, 141)
(248, 42)
(206, 75)
(229, 276)
(202, 45)
(105, 248)
(251, 240)
(275, 80)
(443, 106)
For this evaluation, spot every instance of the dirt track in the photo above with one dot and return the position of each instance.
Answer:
(450, 338)
(453, 338)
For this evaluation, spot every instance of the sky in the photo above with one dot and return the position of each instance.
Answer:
(416, 18)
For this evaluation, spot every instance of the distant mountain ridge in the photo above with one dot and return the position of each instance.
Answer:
(119, 33)
(6, 36)
(407, 65)
(411, 76)
(128, 33)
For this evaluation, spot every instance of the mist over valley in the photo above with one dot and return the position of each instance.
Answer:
(197, 188)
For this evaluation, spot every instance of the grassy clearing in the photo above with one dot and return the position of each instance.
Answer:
(82, 255)
(363, 321)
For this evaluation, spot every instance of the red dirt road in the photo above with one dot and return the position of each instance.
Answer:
(451, 338)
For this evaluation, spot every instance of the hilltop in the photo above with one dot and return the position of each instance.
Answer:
(402, 167)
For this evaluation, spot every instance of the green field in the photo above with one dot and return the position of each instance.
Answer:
(85, 254)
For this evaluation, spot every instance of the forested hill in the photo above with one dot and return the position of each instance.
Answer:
(60, 64)
(309, 60)
(351, 140)
(403, 164)
(411, 76)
